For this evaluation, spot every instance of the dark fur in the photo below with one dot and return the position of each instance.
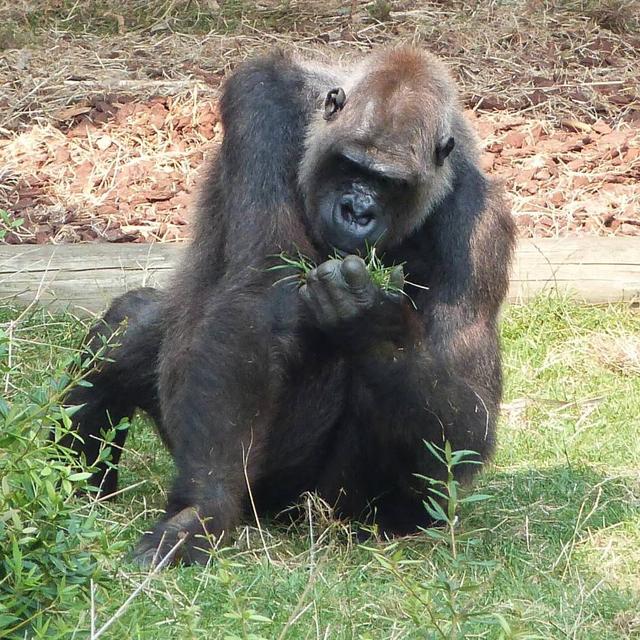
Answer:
(240, 381)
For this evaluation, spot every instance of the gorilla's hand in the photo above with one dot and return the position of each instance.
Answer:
(342, 299)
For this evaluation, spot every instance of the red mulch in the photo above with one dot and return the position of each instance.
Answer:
(120, 170)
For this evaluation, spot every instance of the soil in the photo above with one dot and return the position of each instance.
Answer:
(111, 152)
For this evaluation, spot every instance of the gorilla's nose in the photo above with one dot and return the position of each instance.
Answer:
(357, 209)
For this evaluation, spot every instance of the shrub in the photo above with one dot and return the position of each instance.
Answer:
(48, 540)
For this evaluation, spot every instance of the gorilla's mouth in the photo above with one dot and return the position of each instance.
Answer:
(348, 231)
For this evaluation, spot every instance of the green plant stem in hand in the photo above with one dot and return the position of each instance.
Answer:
(381, 274)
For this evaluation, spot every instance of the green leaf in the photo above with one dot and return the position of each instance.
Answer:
(435, 510)
(77, 477)
(476, 497)
(256, 617)
(436, 534)
(436, 492)
(435, 451)
(464, 453)
(7, 619)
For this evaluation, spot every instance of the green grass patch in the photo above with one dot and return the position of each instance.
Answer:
(553, 553)
(24, 23)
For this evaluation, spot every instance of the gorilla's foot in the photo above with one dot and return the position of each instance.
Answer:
(183, 538)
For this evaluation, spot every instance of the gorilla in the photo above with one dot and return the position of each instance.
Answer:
(262, 387)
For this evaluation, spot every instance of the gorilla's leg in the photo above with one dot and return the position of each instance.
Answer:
(219, 387)
(125, 343)
(223, 357)
(360, 481)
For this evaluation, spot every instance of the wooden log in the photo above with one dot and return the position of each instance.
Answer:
(590, 268)
(82, 277)
(85, 277)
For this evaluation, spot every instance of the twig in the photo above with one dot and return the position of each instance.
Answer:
(124, 606)
(245, 460)
(128, 85)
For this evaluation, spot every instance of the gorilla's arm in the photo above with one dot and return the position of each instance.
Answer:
(430, 371)
(395, 356)
(416, 391)
(226, 337)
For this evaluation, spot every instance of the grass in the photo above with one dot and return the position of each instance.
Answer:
(382, 276)
(28, 21)
(554, 552)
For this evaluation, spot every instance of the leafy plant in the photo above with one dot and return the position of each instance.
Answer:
(8, 224)
(300, 264)
(238, 604)
(49, 544)
(450, 598)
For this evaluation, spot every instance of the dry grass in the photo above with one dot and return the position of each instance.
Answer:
(620, 353)
(568, 177)
(554, 58)
(128, 178)
(614, 350)
(614, 552)
(554, 88)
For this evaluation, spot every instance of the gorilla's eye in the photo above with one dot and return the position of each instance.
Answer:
(386, 176)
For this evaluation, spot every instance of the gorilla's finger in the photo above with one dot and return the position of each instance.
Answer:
(329, 270)
(354, 272)
(347, 305)
(396, 279)
(318, 302)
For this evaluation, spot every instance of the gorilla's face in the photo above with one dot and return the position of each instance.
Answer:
(357, 202)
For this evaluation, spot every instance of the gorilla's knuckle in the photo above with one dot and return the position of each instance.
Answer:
(329, 270)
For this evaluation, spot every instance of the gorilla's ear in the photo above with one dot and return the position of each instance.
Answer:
(334, 102)
(443, 149)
